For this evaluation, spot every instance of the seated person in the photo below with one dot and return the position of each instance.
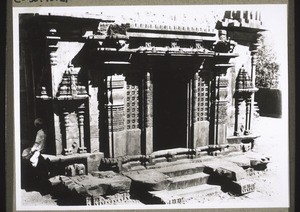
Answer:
(32, 153)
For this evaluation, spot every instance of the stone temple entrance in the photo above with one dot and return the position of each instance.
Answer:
(169, 110)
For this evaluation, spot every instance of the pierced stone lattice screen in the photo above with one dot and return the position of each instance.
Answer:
(202, 100)
(132, 103)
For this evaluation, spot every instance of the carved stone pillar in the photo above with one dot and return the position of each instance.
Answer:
(66, 124)
(80, 115)
(238, 102)
(254, 51)
(116, 115)
(222, 99)
(52, 41)
(196, 98)
(248, 116)
(149, 102)
(148, 113)
(221, 113)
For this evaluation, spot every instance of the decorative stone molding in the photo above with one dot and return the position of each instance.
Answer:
(116, 101)
(70, 88)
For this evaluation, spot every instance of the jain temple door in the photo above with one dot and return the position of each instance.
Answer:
(170, 110)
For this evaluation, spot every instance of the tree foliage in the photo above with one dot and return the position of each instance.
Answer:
(267, 68)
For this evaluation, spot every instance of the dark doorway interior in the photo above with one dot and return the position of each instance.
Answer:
(169, 110)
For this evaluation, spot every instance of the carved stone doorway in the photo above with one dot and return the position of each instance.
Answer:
(170, 102)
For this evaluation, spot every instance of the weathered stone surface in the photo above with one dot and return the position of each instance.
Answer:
(165, 197)
(181, 169)
(133, 142)
(180, 195)
(93, 161)
(169, 152)
(101, 183)
(186, 181)
(149, 179)
(258, 161)
(225, 169)
(159, 160)
(242, 186)
(246, 147)
(235, 147)
(136, 168)
(54, 180)
(104, 174)
(240, 160)
(200, 190)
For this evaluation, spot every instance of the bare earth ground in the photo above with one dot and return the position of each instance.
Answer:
(271, 184)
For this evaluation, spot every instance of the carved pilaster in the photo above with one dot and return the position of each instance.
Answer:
(238, 102)
(115, 111)
(80, 115)
(52, 41)
(66, 124)
(196, 98)
(248, 116)
(254, 51)
(222, 99)
(149, 101)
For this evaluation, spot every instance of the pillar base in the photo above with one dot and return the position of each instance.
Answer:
(82, 150)
(247, 132)
(68, 151)
(236, 133)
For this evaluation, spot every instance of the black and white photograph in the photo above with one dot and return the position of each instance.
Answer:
(157, 106)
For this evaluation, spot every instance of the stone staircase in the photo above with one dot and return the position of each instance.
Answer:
(185, 179)
(165, 179)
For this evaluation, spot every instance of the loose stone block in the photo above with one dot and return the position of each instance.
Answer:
(149, 179)
(93, 161)
(225, 169)
(242, 186)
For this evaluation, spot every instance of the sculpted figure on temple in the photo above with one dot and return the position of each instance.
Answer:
(224, 44)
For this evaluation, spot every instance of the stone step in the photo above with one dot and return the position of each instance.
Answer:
(172, 163)
(200, 190)
(186, 181)
(178, 196)
(181, 169)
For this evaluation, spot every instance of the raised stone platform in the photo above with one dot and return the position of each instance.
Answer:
(170, 182)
